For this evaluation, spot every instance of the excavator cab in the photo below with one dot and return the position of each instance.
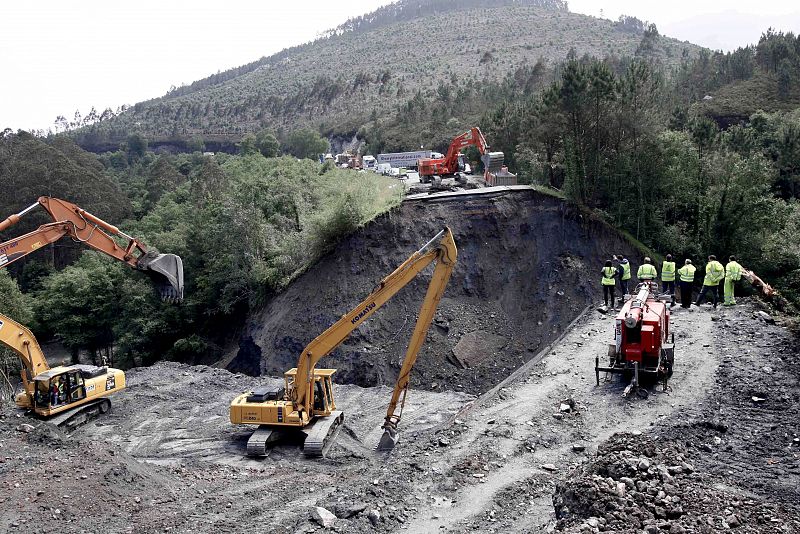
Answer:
(322, 390)
(54, 390)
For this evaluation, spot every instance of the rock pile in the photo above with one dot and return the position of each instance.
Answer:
(643, 484)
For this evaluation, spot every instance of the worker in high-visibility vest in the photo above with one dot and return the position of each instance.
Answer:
(624, 275)
(647, 271)
(686, 274)
(668, 277)
(715, 272)
(733, 273)
(609, 273)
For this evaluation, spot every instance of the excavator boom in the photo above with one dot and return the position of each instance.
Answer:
(165, 270)
(67, 395)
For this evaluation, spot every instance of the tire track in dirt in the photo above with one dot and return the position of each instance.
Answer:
(521, 429)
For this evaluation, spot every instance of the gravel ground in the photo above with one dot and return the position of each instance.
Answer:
(546, 450)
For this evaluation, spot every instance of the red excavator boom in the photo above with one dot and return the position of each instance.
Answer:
(448, 165)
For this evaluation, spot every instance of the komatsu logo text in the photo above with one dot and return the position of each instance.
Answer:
(362, 313)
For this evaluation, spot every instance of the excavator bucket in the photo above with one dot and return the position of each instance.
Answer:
(166, 271)
(388, 439)
(493, 161)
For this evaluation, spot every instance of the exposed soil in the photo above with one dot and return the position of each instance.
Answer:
(526, 268)
(166, 457)
(543, 448)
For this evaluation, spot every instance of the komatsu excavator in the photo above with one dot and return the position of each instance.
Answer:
(306, 402)
(436, 169)
(68, 395)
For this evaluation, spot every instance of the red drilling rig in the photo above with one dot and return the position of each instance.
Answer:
(643, 346)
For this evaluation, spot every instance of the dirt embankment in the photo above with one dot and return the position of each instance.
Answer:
(526, 268)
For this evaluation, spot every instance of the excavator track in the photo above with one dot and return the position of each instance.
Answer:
(322, 435)
(257, 444)
(76, 417)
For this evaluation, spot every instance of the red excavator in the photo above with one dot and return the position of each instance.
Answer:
(68, 395)
(643, 345)
(431, 169)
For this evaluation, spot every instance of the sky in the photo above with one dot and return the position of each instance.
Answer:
(58, 56)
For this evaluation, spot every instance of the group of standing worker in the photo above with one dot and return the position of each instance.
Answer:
(618, 269)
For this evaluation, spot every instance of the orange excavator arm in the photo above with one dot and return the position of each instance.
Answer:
(448, 165)
(442, 249)
(166, 270)
(473, 137)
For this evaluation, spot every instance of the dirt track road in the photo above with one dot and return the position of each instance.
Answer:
(521, 429)
(166, 458)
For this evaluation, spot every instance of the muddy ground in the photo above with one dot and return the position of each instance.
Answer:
(718, 451)
(525, 270)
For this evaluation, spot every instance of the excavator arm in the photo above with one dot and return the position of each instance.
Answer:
(448, 165)
(166, 270)
(473, 137)
(441, 249)
(441, 275)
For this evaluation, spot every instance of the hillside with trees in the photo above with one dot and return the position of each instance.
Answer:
(245, 225)
(689, 151)
(645, 149)
(373, 67)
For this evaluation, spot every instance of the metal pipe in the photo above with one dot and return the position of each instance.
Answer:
(11, 220)
(427, 245)
(28, 209)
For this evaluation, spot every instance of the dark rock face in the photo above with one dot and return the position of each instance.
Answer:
(527, 266)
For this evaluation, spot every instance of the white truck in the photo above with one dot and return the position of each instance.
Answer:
(369, 163)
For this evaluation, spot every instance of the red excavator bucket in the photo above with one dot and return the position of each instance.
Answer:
(166, 272)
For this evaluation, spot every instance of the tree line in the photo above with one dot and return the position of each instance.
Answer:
(628, 140)
(244, 225)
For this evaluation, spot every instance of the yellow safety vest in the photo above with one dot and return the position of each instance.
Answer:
(647, 272)
(608, 276)
(733, 271)
(626, 271)
(668, 271)
(687, 273)
(714, 273)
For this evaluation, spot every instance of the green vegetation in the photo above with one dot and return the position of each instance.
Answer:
(244, 225)
(626, 140)
(371, 66)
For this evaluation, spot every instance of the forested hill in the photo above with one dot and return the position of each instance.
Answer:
(374, 66)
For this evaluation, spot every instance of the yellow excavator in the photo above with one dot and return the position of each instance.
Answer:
(68, 395)
(306, 401)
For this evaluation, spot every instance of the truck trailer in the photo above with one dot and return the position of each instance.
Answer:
(405, 159)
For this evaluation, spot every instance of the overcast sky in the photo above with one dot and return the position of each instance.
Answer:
(57, 56)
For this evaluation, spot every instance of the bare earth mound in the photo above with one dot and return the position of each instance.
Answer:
(527, 266)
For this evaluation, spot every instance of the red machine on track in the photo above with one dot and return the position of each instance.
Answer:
(450, 164)
(643, 346)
